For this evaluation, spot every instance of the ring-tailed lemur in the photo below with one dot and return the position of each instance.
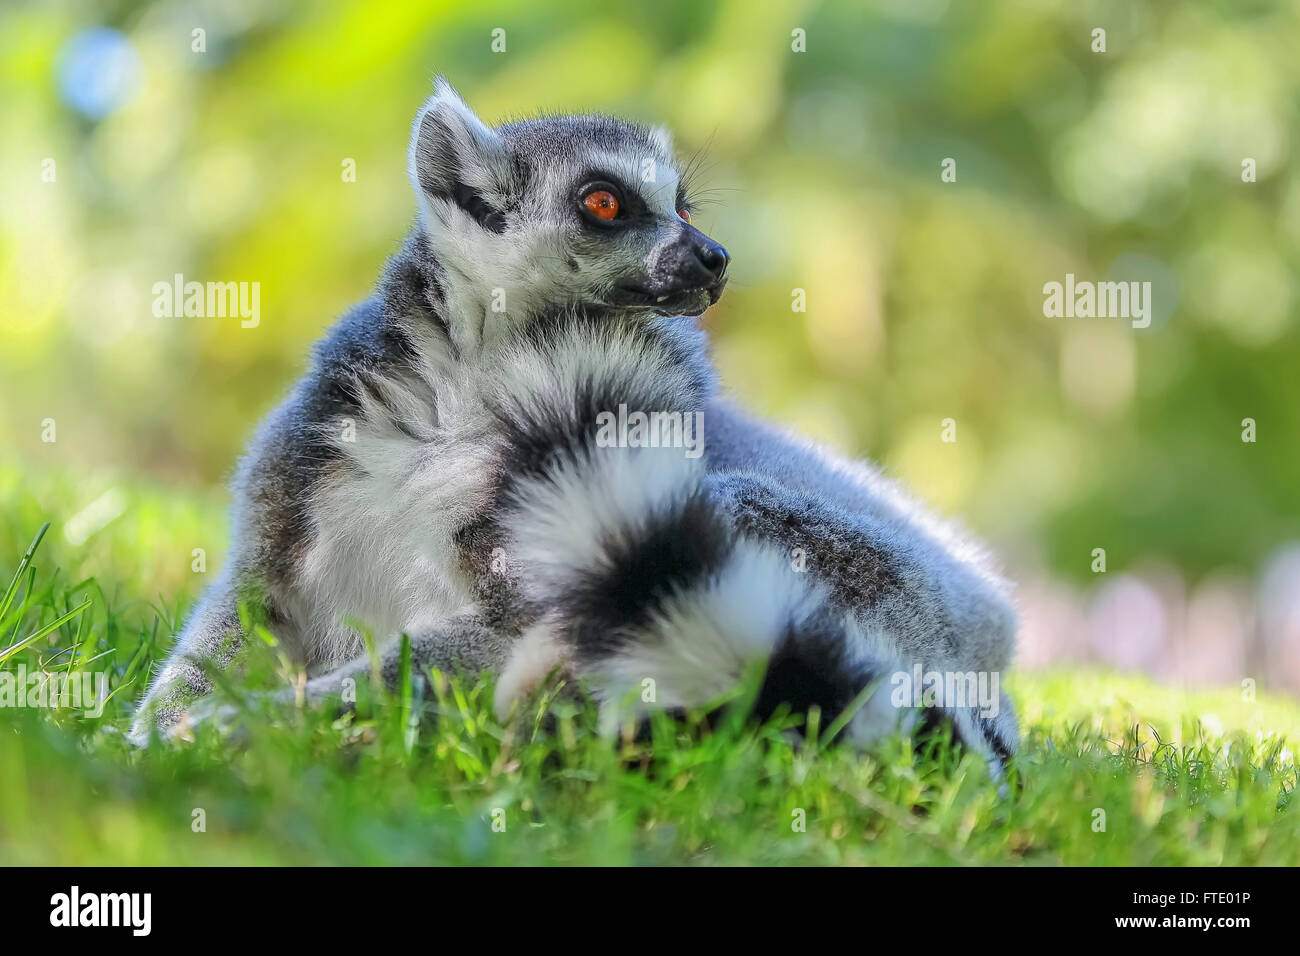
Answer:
(449, 468)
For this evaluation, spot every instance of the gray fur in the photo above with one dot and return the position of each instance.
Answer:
(433, 473)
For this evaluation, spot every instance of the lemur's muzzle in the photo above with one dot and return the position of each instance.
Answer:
(692, 261)
(685, 274)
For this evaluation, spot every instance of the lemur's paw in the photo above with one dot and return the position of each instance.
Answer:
(178, 724)
(158, 725)
(180, 687)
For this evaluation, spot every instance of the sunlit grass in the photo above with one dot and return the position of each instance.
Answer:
(1203, 778)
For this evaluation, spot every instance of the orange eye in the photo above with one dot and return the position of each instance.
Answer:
(684, 214)
(601, 203)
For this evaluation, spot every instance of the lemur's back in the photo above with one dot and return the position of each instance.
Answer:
(445, 470)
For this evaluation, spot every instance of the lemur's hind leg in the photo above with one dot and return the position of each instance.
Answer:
(917, 600)
(212, 638)
(937, 602)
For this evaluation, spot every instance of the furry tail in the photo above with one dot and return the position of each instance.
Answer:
(647, 579)
(659, 603)
(656, 601)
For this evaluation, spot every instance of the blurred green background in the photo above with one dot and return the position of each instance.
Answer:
(924, 297)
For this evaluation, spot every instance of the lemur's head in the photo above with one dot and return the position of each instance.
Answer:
(566, 209)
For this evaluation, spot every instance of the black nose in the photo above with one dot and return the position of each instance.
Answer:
(713, 257)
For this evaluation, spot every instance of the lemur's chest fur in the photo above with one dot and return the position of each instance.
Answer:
(416, 467)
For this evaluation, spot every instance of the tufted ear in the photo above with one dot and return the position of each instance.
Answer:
(455, 157)
(662, 139)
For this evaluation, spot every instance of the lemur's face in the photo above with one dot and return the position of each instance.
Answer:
(569, 209)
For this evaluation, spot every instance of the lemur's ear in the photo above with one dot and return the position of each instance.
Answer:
(456, 157)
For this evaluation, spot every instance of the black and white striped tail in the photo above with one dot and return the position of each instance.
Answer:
(660, 602)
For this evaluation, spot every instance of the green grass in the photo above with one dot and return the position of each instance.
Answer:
(1182, 778)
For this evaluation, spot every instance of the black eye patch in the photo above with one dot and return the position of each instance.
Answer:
(632, 206)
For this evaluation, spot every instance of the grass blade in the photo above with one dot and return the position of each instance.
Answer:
(13, 649)
(12, 589)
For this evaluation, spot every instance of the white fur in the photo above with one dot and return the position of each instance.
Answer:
(383, 550)
(538, 652)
